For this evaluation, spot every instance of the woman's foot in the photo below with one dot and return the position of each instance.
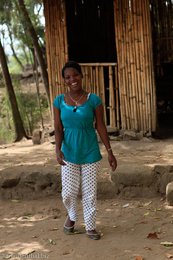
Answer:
(69, 223)
(69, 226)
(93, 234)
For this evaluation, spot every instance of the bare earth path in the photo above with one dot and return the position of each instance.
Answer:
(131, 228)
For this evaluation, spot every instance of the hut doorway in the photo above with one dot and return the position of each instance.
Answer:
(90, 30)
(162, 20)
(91, 41)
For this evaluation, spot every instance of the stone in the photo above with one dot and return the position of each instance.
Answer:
(33, 181)
(138, 181)
(163, 175)
(9, 179)
(169, 193)
(37, 136)
(131, 135)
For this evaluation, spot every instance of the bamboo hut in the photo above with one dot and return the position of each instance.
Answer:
(113, 41)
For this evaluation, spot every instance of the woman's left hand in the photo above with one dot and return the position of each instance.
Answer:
(112, 161)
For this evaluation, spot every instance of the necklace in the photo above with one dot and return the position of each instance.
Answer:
(76, 101)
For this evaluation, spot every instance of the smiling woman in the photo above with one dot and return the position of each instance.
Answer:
(77, 149)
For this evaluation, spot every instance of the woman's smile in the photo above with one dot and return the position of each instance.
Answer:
(74, 84)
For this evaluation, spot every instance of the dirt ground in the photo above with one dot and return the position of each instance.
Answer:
(132, 229)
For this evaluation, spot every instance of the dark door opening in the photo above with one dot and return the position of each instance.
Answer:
(164, 91)
(90, 30)
(162, 19)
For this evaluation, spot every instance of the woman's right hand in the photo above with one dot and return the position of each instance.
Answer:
(112, 161)
(60, 158)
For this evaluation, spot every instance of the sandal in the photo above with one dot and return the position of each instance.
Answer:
(71, 230)
(94, 236)
(68, 230)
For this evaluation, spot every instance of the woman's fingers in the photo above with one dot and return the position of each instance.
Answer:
(113, 163)
(114, 166)
(61, 162)
(60, 159)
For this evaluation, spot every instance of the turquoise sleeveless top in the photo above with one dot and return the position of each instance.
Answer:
(80, 144)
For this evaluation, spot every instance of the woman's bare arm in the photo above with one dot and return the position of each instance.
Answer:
(102, 131)
(59, 135)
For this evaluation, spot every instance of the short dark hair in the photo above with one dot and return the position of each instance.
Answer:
(71, 64)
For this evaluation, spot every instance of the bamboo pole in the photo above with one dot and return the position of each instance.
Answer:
(52, 49)
(65, 32)
(102, 91)
(89, 80)
(125, 51)
(142, 74)
(104, 64)
(133, 69)
(111, 99)
(91, 76)
(129, 71)
(119, 41)
(137, 60)
(117, 98)
(85, 78)
(57, 43)
(97, 81)
(94, 79)
(147, 66)
(152, 77)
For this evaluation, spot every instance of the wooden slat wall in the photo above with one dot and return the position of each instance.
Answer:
(94, 81)
(135, 65)
(56, 43)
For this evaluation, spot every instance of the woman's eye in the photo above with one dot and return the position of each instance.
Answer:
(67, 77)
(72, 77)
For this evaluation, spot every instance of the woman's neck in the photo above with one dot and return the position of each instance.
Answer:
(76, 93)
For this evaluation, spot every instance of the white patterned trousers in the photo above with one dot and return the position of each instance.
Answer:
(72, 176)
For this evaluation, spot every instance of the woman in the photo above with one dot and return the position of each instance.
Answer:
(77, 149)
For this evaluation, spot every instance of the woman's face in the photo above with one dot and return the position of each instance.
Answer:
(73, 79)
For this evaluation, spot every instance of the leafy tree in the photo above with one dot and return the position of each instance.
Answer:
(24, 24)
(26, 21)
(18, 123)
(21, 18)
(6, 25)
(12, 47)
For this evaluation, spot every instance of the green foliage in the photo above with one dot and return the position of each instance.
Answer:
(7, 133)
(13, 66)
(13, 33)
(11, 18)
(30, 112)
(5, 7)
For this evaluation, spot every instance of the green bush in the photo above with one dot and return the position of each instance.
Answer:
(32, 111)
(7, 134)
